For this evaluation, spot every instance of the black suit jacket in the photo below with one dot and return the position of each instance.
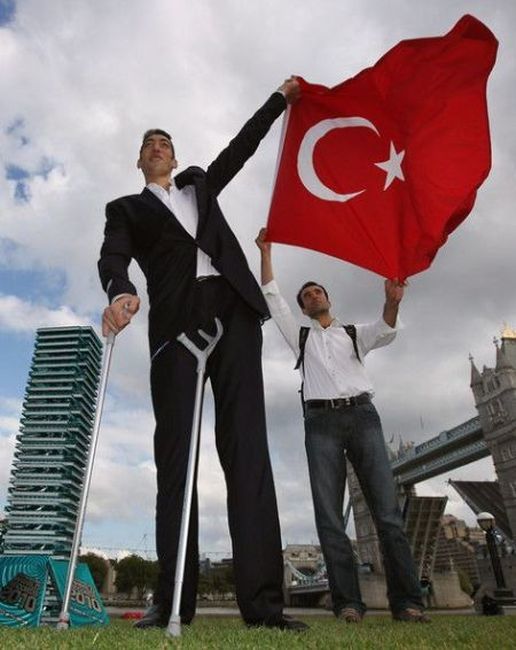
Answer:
(140, 226)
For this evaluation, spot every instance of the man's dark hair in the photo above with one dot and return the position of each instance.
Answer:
(309, 284)
(150, 132)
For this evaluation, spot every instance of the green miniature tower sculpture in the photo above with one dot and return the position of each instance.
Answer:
(47, 476)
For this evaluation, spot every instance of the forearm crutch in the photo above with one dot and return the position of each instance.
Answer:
(174, 623)
(63, 622)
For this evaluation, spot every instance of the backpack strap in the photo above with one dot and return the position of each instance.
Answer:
(303, 335)
(351, 331)
(304, 331)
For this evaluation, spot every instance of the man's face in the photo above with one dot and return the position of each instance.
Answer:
(157, 157)
(314, 301)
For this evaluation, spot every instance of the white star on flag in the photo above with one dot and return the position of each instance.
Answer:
(392, 166)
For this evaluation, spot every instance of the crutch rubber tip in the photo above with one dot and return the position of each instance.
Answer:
(174, 626)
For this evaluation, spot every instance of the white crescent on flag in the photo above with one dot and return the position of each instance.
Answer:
(305, 164)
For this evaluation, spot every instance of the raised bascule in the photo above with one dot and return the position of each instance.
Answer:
(46, 481)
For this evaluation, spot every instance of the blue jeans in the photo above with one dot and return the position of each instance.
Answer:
(357, 432)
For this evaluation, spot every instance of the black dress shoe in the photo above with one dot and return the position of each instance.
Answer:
(282, 623)
(155, 616)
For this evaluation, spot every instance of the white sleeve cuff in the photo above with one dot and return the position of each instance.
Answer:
(271, 288)
(385, 328)
(120, 295)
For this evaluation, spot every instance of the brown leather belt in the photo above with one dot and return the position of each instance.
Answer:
(340, 402)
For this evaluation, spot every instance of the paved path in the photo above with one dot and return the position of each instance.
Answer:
(116, 612)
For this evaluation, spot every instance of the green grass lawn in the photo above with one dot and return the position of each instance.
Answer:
(445, 632)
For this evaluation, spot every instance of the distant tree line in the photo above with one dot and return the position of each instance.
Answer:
(134, 572)
(218, 580)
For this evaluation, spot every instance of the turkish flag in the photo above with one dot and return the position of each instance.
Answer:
(379, 170)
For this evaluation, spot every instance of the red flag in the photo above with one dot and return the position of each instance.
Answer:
(379, 170)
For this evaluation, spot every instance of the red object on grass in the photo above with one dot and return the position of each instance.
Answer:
(132, 615)
(379, 170)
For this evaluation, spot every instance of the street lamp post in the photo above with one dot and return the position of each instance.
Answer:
(503, 595)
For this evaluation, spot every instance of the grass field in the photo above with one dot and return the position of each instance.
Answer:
(445, 632)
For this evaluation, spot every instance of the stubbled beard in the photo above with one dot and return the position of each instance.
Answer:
(318, 311)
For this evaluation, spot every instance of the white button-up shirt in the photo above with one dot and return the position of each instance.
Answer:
(183, 204)
(331, 368)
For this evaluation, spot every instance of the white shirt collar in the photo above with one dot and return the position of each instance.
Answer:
(317, 326)
(156, 188)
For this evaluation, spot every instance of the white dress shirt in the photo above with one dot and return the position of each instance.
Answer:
(183, 204)
(331, 368)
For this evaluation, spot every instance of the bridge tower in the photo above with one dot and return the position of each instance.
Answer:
(494, 390)
(367, 537)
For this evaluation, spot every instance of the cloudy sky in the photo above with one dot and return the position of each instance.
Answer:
(80, 80)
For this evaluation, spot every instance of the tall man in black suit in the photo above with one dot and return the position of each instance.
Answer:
(196, 271)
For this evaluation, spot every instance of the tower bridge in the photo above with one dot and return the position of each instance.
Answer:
(301, 583)
(445, 452)
(492, 432)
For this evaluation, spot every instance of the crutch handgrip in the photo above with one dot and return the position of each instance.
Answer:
(202, 355)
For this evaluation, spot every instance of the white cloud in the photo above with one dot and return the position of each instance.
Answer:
(82, 90)
(17, 315)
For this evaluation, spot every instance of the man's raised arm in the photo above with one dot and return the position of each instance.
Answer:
(394, 290)
(231, 160)
(278, 307)
(266, 257)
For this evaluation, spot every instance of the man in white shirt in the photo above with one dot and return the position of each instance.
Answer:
(341, 421)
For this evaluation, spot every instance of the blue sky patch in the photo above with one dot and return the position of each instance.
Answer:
(17, 352)
(21, 176)
(44, 287)
(7, 11)
(41, 287)
(22, 192)
(15, 173)
(15, 129)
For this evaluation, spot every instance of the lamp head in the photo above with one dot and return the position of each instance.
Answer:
(486, 521)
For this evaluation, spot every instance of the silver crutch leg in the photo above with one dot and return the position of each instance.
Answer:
(63, 622)
(174, 623)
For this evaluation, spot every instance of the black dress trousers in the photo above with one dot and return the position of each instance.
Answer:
(235, 372)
